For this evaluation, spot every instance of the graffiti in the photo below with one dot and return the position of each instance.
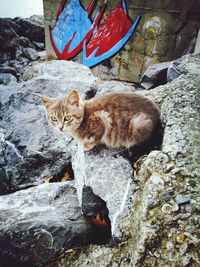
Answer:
(73, 27)
(74, 31)
(151, 30)
(153, 27)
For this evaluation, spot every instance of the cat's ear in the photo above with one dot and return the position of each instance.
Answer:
(73, 98)
(46, 101)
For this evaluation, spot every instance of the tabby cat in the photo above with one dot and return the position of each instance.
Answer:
(118, 120)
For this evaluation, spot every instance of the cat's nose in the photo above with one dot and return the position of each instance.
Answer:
(60, 128)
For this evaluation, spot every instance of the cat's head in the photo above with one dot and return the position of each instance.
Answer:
(65, 113)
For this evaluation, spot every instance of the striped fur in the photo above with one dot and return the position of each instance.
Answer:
(117, 119)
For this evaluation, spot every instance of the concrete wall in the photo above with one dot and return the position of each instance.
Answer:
(166, 31)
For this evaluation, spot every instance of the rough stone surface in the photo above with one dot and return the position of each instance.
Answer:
(159, 74)
(173, 72)
(154, 229)
(19, 41)
(155, 75)
(6, 78)
(110, 177)
(197, 46)
(31, 28)
(38, 223)
(159, 230)
(8, 33)
(32, 150)
(31, 53)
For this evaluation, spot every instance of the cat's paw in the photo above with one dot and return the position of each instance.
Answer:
(88, 146)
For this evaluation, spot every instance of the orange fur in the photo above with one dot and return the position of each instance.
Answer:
(117, 119)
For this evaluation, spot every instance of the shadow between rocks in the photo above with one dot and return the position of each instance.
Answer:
(154, 143)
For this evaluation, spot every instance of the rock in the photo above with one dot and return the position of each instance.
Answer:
(8, 32)
(39, 223)
(181, 199)
(110, 177)
(5, 56)
(25, 42)
(37, 19)
(28, 74)
(173, 72)
(23, 61)
(26, 129)
(39, 46)
(159, 74)
(30, 137)
(197, 46)
(31, 151)
(167, 196)
(6, 78)
(16, 38)
(28, 28)
(43, 55)
(106, 87)
(155, 75)
(7, 69)
(31, 53)
(69, 72)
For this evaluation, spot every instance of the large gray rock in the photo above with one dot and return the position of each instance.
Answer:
(159, 74)
(110, 177)
(155, 75)
(19, 41)
(31, 149)
(31, 53)
(8, 32)
(32, 28)
(155, 229)
(37, 20)
(6, 78)
(37, 224)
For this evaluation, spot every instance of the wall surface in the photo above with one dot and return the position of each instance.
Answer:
(166, 31)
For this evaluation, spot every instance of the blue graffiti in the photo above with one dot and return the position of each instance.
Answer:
(73, 19)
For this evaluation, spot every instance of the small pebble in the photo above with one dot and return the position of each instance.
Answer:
(180, 238)
(167, 196)
(181, 199)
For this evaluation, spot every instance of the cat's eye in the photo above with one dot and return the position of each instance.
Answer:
(67, 118)
(54, 119)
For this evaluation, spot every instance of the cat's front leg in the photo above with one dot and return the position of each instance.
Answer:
(88, 146)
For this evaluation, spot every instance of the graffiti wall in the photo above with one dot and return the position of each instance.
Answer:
(119, 39)
(75, 31)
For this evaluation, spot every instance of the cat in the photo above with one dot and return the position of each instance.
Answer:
(118, 120)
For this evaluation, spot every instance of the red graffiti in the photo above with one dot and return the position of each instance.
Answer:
(110, 32)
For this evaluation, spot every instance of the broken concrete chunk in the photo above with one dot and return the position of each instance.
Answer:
(110, 176)
(37, 224)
